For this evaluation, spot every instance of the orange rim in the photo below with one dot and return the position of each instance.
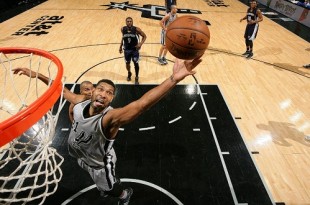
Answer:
(17, 124)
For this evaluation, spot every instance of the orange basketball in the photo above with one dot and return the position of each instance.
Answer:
(187, 37)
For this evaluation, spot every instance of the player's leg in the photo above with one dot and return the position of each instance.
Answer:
(250, 49)
(162, 48)
(107, 183)
(135, 59)
(127, 55)
(253, 33)
(164, 55)
(247, 44)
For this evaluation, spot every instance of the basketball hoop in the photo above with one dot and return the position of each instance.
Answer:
(30, 168)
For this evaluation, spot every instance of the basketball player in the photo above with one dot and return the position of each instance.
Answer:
(164, 23)
(131, 45)
(253, 16)
(86, 88)
(96, 125)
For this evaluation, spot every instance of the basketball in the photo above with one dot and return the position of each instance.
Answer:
(187, 37)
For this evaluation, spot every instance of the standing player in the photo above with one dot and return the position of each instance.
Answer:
(86, 88)
(96, 125)
(253, 16)
(164, 23)
(131, 44)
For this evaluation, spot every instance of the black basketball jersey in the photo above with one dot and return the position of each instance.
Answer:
(130, 37)
(251, 15)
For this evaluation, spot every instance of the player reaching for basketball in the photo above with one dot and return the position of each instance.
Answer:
(96, 125)
(164, 23)
(253, 16)
(130, 41)
(86, 88)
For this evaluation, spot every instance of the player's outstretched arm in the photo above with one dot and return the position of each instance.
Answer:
(68, 95)
(118, 117)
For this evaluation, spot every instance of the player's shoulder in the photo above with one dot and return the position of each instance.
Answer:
(81, 98)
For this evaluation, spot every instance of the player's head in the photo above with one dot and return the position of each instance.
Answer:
(253, 3)
(129, 21)
(174, 9)
(86, 88)
(103, 94)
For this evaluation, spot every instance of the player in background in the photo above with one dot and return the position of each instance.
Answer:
(253, 17)
(86, 88)
(164, 23)
(131, 45)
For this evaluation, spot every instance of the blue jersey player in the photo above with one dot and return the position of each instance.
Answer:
(131, 44)
(253, 16)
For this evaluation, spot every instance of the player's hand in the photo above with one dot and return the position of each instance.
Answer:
(120, 50)
(182, 68)
(24, 71)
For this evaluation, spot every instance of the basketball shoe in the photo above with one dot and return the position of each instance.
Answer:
(246, 53)
(160, 61)
(249, 55)
(306, 66)
(127, 199)
(164, 60)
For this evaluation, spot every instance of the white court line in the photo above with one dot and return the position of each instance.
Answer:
(225, 153)
(196, 129)
(213, 118)
(147, 128)
(193, 105)
(126, 180)
(232, 191)
(260, 174)
(176, 119)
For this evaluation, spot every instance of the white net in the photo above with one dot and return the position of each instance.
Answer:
(29, 165)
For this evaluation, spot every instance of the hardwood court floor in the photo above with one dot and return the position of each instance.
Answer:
(269, 93)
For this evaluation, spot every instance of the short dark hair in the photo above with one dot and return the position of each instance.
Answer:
(129, 18)
(110, 82)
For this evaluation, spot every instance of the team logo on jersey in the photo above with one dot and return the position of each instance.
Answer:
(148, 10)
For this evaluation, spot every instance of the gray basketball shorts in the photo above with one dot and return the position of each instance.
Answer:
(104, 178)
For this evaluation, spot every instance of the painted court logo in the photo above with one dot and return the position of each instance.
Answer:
(148, 10)
(40, 26)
